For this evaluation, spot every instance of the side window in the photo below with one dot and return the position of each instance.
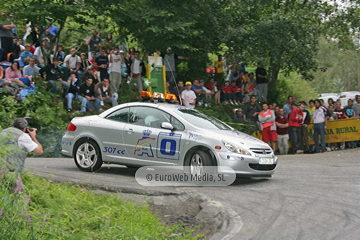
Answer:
(177, 124)
(120, 115)
(147, 116)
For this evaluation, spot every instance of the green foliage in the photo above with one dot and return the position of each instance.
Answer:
(8, 109)
(292, 84)
(40, 209)
(280, 34)
(47, 113)
(339, 67)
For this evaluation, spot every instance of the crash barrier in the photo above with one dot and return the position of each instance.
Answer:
(341, 130)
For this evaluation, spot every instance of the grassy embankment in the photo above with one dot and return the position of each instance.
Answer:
(47, 210)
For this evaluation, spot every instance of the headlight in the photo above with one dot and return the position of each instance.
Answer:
(236, 149)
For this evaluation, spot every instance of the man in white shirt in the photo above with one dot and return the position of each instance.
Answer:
(116, 60)
(38, 54)
(73, 63)
(188, 96)
(137, 71)
(320, 126)
(18, 143)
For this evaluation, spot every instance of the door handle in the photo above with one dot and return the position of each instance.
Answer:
(130, 131)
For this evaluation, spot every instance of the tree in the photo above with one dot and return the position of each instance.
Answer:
(37, 12)
(191, 28)
(339, 68)
(282, 35)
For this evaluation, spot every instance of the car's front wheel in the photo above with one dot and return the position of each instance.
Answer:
(87, 155)
(199, 161)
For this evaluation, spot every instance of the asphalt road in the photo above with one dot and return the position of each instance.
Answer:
(309, 197)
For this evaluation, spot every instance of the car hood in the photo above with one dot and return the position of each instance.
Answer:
(237, 137)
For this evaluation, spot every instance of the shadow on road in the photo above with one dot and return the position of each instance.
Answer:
(118, 170)
(249, 181)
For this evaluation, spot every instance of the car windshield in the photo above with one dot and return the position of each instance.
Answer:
(202, 120)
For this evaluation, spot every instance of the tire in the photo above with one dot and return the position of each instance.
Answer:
(87, 155)
(198, 160)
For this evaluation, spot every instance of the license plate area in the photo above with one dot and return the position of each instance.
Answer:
(266, 161)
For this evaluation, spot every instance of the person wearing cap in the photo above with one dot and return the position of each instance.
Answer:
(20, 139)
(116, 60)
(188, 96)
(169, 62)
(53, 30)
(38, 55)
(124, 65)
(6, 36)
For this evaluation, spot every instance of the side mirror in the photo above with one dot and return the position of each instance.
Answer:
(167, 125)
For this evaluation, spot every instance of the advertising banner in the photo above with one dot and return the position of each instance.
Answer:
(342, 130)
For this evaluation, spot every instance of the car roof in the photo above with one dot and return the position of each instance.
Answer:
(163, 106)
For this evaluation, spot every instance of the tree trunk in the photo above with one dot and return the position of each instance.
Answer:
(274, 74)
(358, 72)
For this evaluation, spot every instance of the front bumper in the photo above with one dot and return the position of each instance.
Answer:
(247, 166)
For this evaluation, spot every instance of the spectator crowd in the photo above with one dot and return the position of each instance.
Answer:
(96, 76)
(106, 59)
(291, 122)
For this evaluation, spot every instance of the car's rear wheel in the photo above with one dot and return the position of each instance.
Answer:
(199, 161)
(87, 155)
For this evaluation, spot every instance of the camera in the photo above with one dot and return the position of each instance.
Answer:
(31, 129)
(115, 51)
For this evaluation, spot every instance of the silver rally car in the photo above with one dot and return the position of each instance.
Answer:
(149, 134)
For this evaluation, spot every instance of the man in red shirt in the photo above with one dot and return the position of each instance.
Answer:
(282, 131)
(295, 119)
(228, 93)
(236, 92)
(210, 84)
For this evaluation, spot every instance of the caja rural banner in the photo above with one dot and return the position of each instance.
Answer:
(342, 130)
